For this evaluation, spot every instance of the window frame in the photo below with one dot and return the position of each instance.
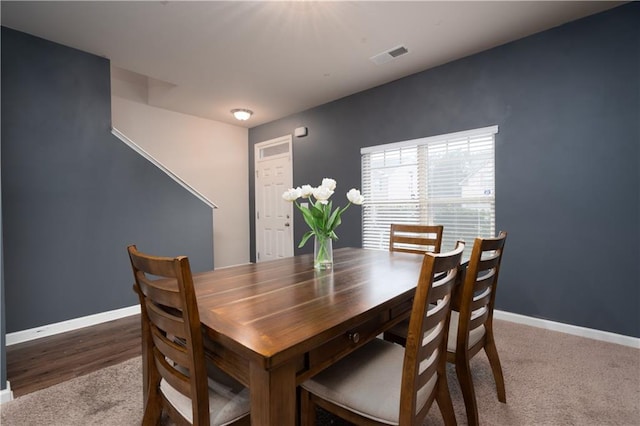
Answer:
(419, 208)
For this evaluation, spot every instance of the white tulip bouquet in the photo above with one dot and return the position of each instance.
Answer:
(319, 213)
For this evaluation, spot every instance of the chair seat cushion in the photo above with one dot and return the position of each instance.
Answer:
(367, 382)
(474, 336)
(226, 403)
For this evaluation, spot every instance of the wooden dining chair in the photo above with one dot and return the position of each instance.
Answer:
(386, 384)
(175, 373)
(418, 239)
(415, 238)
(471, 326)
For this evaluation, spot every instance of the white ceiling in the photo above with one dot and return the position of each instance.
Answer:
(279, 58)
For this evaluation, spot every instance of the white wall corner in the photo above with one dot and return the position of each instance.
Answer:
(6, 394)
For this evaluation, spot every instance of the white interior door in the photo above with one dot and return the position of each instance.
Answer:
(274, 216)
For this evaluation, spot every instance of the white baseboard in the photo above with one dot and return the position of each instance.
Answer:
(69, 325)
(590, 333)
(74, 324)
(6, 395)
(231, 266)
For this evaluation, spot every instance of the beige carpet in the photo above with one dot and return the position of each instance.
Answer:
(111, 396)
(551, 379)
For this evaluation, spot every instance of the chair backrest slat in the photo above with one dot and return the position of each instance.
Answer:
(432, 340)
(431, 369)
(484, 282)
(169, 348)
(436, 313)
(166, 294)
(489, 262)
(165, 321)
(479, 319)
(415, 238)
(481, 301)
(441, 287)
(168, 372)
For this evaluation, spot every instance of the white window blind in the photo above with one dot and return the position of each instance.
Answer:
(444, 180)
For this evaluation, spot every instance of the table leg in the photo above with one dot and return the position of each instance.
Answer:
(273, 395)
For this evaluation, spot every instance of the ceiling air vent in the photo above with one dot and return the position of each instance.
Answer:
(390, 54)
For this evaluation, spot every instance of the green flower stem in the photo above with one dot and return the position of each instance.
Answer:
(323, 253)
(320, 219)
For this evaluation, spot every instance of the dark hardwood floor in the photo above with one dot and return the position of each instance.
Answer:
(44, 362)
(47, 361)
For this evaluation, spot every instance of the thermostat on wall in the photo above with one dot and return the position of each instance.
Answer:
(300, 132)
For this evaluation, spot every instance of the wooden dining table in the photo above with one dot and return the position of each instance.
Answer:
(274, 324)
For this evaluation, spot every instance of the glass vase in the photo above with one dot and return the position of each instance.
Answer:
(322, 252)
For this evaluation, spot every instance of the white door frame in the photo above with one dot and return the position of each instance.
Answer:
(259, 151)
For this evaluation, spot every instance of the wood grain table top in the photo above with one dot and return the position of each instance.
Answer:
(272, 311)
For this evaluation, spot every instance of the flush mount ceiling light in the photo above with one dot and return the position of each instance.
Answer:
(241, 114)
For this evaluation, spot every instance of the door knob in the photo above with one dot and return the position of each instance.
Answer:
(286, 224)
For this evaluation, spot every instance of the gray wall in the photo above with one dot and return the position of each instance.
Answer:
(74, 196)
(567, 102)
(3, 359)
